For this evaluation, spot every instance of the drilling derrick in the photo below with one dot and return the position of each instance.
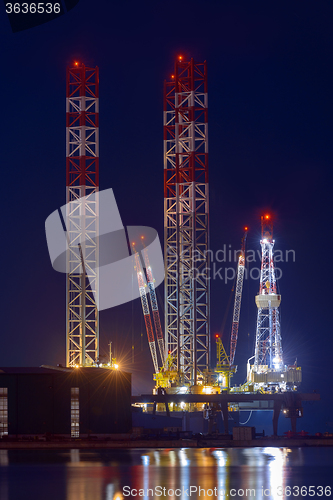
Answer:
(82, 155)
(186, 216)
(268, 347)
(268, 371)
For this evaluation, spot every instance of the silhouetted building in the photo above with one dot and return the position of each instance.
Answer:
(64, 401)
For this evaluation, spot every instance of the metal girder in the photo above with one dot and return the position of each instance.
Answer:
(82, 178)
(186, 218)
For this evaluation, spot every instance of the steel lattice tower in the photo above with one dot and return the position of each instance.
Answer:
(186, 219)
(268, 347)
(82, 158)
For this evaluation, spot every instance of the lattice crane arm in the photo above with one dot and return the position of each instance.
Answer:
(145, 308)
(238, 299)
(154, 306)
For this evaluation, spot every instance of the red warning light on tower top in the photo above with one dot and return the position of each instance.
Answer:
(180, 57)
(246, 228)
(267, 216)
(76, 63)
(217, 336)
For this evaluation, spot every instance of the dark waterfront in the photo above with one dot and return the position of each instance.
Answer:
(166, 473)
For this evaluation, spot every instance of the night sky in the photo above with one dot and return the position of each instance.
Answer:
(270, 136)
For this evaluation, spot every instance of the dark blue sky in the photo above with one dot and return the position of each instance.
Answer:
(270, 136)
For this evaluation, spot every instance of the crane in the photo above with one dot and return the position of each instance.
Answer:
(223, 367)
(154, 305)
(238, 299)
(145, 308)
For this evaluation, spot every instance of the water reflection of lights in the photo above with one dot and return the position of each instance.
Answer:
(157, 457)
(277, 463)
(220, 457)
(261, 469)
(205, 459)
(4, 460)
(109, 492)
(183, 458)
(75, 455)
(254, 457)
(4, 489)
(172, 457)
(185, 469)
(76, 460)
(145, 461)
(111, 495)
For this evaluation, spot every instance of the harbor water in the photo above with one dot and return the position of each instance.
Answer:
(274, 473)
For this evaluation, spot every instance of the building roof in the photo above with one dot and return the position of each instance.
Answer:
(46, 369)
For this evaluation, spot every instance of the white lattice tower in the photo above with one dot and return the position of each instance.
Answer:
(82, 178)
(186, 218)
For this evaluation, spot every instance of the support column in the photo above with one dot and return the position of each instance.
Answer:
(276, 414)
(224, 410)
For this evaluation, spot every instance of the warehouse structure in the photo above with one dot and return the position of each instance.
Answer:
(69, 402)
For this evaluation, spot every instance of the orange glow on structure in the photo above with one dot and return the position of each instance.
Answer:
(216, 335)
(76, 63)
(180, 58)
(266, 216)
(246, 228)
(172, 76)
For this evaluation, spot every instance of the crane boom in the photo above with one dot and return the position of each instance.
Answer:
(238, 299)
(145, 308)
(154, 306)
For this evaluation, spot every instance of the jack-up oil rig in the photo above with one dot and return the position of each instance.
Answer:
(184, 380)
(185, 360)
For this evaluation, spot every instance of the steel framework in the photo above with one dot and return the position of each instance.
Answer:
(154, 307)
(238, 300)
(82, 179)
(268, 346)
(186, 218)
(145, 307)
